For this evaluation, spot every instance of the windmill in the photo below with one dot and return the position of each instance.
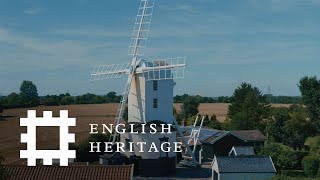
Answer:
(149, 88)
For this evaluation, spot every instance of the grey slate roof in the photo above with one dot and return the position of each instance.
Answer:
(249, 135)
(247, 164)
(243, 150)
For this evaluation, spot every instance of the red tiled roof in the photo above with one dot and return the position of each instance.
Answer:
(121, 172)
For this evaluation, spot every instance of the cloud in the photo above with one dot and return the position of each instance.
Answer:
(283, 5)
(33, 11)
(34, 52)
(209, 33)
(90, 32)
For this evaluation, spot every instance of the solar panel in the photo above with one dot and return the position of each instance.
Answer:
(207, 133)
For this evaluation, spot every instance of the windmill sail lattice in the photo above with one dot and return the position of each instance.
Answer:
(109, 71)
(162, 69)
(141, 28)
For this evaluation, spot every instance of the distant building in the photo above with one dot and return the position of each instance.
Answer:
(217, 142)
(122, 172)
(241, 151)
(242, 167)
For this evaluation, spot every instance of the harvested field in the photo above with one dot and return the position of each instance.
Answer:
(219, 109)
(47, 137)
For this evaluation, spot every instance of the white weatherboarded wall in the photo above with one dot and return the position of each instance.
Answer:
(140, 101)
(245, 176)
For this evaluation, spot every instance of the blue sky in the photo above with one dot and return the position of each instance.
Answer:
(264, 42)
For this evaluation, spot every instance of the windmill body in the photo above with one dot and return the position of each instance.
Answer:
(150, 101)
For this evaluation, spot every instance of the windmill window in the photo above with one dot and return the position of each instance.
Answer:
(155, 103)
(155, 85)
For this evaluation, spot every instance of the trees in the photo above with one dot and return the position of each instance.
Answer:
(51, 100)
(310, 165)
(289, 126)
(111, 97)
(189, 107)
(1, 104)
(201, 99)
(190, 120)
(178, 116)
(275, 126)
(296, 129)
(67, 100)
(206, 120)
(29, 94)
(310, 91)
(214, 123)
(314, 144)
(13, 101)
(284, 157)
(83, 154)
(248, 108)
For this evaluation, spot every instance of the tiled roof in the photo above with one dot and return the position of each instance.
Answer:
(122, 172)
(79, 164)
(245, 164)
(243, 150)
(249, 135)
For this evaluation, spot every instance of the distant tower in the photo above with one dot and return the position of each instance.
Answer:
(269, 90)
(269, 94)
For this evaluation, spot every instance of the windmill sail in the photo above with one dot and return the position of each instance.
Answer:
(141, 28)
(138, 41)
(109, 71)
(162, 69)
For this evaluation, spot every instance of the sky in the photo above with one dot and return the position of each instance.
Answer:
(55, 44)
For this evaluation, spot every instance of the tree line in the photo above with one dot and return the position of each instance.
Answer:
(227, 99)
(28, 97)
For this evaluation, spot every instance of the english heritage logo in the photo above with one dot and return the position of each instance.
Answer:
(32, 122)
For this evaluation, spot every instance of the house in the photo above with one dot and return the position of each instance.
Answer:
(241, 151)
(120, 172)
(242, 168)
(219, 142)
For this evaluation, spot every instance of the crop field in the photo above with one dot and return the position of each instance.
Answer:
(47, 137)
